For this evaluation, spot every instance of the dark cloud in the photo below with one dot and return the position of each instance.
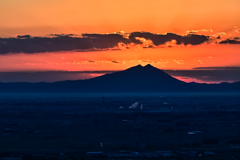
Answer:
(105, 40)
(49, 76)
(42, 44)
(63, 35)
(115, 62)
(23, 36)
(209, 74)
(229, 41)
(217, 68)
(59, 43)
(159, 39)
(72, 42)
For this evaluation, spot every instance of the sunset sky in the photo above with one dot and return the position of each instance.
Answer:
(53, 40)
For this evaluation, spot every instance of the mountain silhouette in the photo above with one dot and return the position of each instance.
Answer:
(137, 78)
(134, 79)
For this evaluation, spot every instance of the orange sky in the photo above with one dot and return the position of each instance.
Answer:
(41, 18)
(186, 57)
(73, 16)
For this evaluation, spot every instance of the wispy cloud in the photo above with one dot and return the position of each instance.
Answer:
(200, 30)
(207, 74)
(217, 68)
(200, 61)
(181, 62)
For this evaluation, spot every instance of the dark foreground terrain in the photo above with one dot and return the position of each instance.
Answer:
(114, 126)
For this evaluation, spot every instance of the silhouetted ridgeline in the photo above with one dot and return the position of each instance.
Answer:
(135, 79)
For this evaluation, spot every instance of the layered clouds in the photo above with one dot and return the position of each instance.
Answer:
(114, 41)
(95, 42)
(24, 57)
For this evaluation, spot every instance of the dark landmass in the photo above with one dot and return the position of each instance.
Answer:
(74, 127)
(135, 79)
(151, 115)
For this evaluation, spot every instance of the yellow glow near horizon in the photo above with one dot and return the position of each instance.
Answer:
(163, 58)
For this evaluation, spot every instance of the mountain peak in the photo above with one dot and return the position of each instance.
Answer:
(139, 66)
(148, 66)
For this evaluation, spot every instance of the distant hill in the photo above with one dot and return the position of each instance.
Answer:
(134, 79)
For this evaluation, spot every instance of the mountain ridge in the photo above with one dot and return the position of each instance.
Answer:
(135, 79)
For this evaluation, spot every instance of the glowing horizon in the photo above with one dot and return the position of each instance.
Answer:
(30, 35)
